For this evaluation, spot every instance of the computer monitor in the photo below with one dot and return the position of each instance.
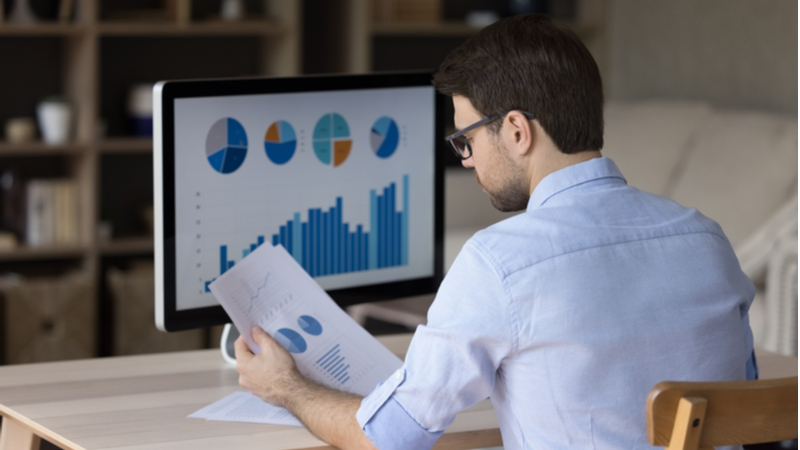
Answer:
(346, 172)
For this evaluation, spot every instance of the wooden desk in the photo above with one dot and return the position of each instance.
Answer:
(143, 402)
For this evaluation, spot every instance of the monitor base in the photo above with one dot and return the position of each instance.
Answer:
(229, 336)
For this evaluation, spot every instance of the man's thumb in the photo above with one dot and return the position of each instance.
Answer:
(260, 336)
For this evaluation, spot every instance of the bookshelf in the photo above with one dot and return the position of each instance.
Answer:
(93, 59)
(418, 26)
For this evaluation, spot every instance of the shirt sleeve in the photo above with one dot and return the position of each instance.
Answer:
(452, 361)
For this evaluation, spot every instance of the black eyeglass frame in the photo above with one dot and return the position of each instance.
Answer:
(468, 148)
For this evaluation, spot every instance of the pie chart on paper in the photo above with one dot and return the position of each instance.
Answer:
(280, 142)
(310, 325)
(291, 340)
(226, 145)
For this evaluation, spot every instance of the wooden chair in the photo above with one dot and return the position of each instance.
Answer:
(688, 415)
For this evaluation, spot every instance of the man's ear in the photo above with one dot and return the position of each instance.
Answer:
(519, 133)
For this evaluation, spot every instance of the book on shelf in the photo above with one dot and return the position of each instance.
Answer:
(52, 212)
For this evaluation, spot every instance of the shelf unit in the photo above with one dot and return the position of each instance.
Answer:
(89, 51)
(364, 29)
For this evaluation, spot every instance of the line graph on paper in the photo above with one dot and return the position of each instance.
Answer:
(263, 296)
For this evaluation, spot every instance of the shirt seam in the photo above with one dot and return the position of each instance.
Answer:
(615, 244)
(512, 310)
(580, 183)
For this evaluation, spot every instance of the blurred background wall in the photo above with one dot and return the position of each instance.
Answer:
(734, 53)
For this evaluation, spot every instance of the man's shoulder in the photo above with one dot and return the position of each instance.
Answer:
(584, 222)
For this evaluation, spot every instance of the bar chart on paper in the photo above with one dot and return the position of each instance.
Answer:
(324, 244)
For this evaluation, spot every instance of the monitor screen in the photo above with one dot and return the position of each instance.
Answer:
(342, 171)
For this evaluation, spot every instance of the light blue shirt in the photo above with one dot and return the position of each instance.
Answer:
(567, 315)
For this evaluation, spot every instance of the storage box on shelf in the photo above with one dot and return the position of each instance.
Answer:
(79, 58)
(48, 319)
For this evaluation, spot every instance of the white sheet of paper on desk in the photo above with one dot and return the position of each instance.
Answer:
(246, 407)
(268, 288)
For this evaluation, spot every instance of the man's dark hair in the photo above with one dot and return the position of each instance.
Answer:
(529, 63)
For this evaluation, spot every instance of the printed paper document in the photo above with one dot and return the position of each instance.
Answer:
(268, 288)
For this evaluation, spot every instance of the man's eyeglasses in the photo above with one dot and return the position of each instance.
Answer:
(460, 144)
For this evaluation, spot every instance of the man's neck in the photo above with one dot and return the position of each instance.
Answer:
(552, 160)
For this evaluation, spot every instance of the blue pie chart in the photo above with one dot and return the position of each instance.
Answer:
(291, 340)
(384, 137)
(310, 325)
(226, 145)
(280, 142)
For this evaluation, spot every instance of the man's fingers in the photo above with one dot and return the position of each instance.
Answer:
(260, 336)
(241, 349)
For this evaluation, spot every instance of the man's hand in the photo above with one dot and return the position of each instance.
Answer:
(269, 375)
(272, 376)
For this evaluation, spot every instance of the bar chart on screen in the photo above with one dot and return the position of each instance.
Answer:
(325, 244)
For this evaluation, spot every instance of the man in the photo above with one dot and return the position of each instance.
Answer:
(565, 315)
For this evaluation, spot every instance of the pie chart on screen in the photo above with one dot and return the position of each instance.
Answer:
(332, 142)
(280, 142)
(384, 137)
(226, 145)
(291, 340)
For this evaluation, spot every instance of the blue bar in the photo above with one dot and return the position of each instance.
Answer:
(329, 352)
(347, 249)
(331, 241)
(253, 247)
(288, 236)
(312, 242)
(245, 252)
(366, 248)
(398, 222)
(230, 264)
(392, 232)
(372, 260)
(345, 380)
(305, 246)
(341, 371)
(357, 263)
(283, 236)
(333, 362)
(207, 283)
(353, 252)
(381, 229)
(275, 239)
(297, 244)
(339, 252)
(404, 232)
(326, 226)
(387, 228)
(260, 240)
(318, 242)
(223, 259)
(330, 358)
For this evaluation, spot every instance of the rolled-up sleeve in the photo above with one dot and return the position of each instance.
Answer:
(451, 363)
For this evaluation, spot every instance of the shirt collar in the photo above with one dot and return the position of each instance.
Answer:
(571, 176)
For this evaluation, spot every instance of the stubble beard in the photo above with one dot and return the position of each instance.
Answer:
(511, 194)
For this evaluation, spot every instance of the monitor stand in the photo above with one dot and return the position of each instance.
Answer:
(229, 336)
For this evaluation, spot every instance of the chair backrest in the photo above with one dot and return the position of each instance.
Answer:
(689, 415)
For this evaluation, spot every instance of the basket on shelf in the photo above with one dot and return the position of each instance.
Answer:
(135, 331)
(49, 319)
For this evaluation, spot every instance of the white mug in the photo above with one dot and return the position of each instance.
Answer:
(55, 121)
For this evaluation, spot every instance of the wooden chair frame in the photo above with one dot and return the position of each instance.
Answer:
(688, 415)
